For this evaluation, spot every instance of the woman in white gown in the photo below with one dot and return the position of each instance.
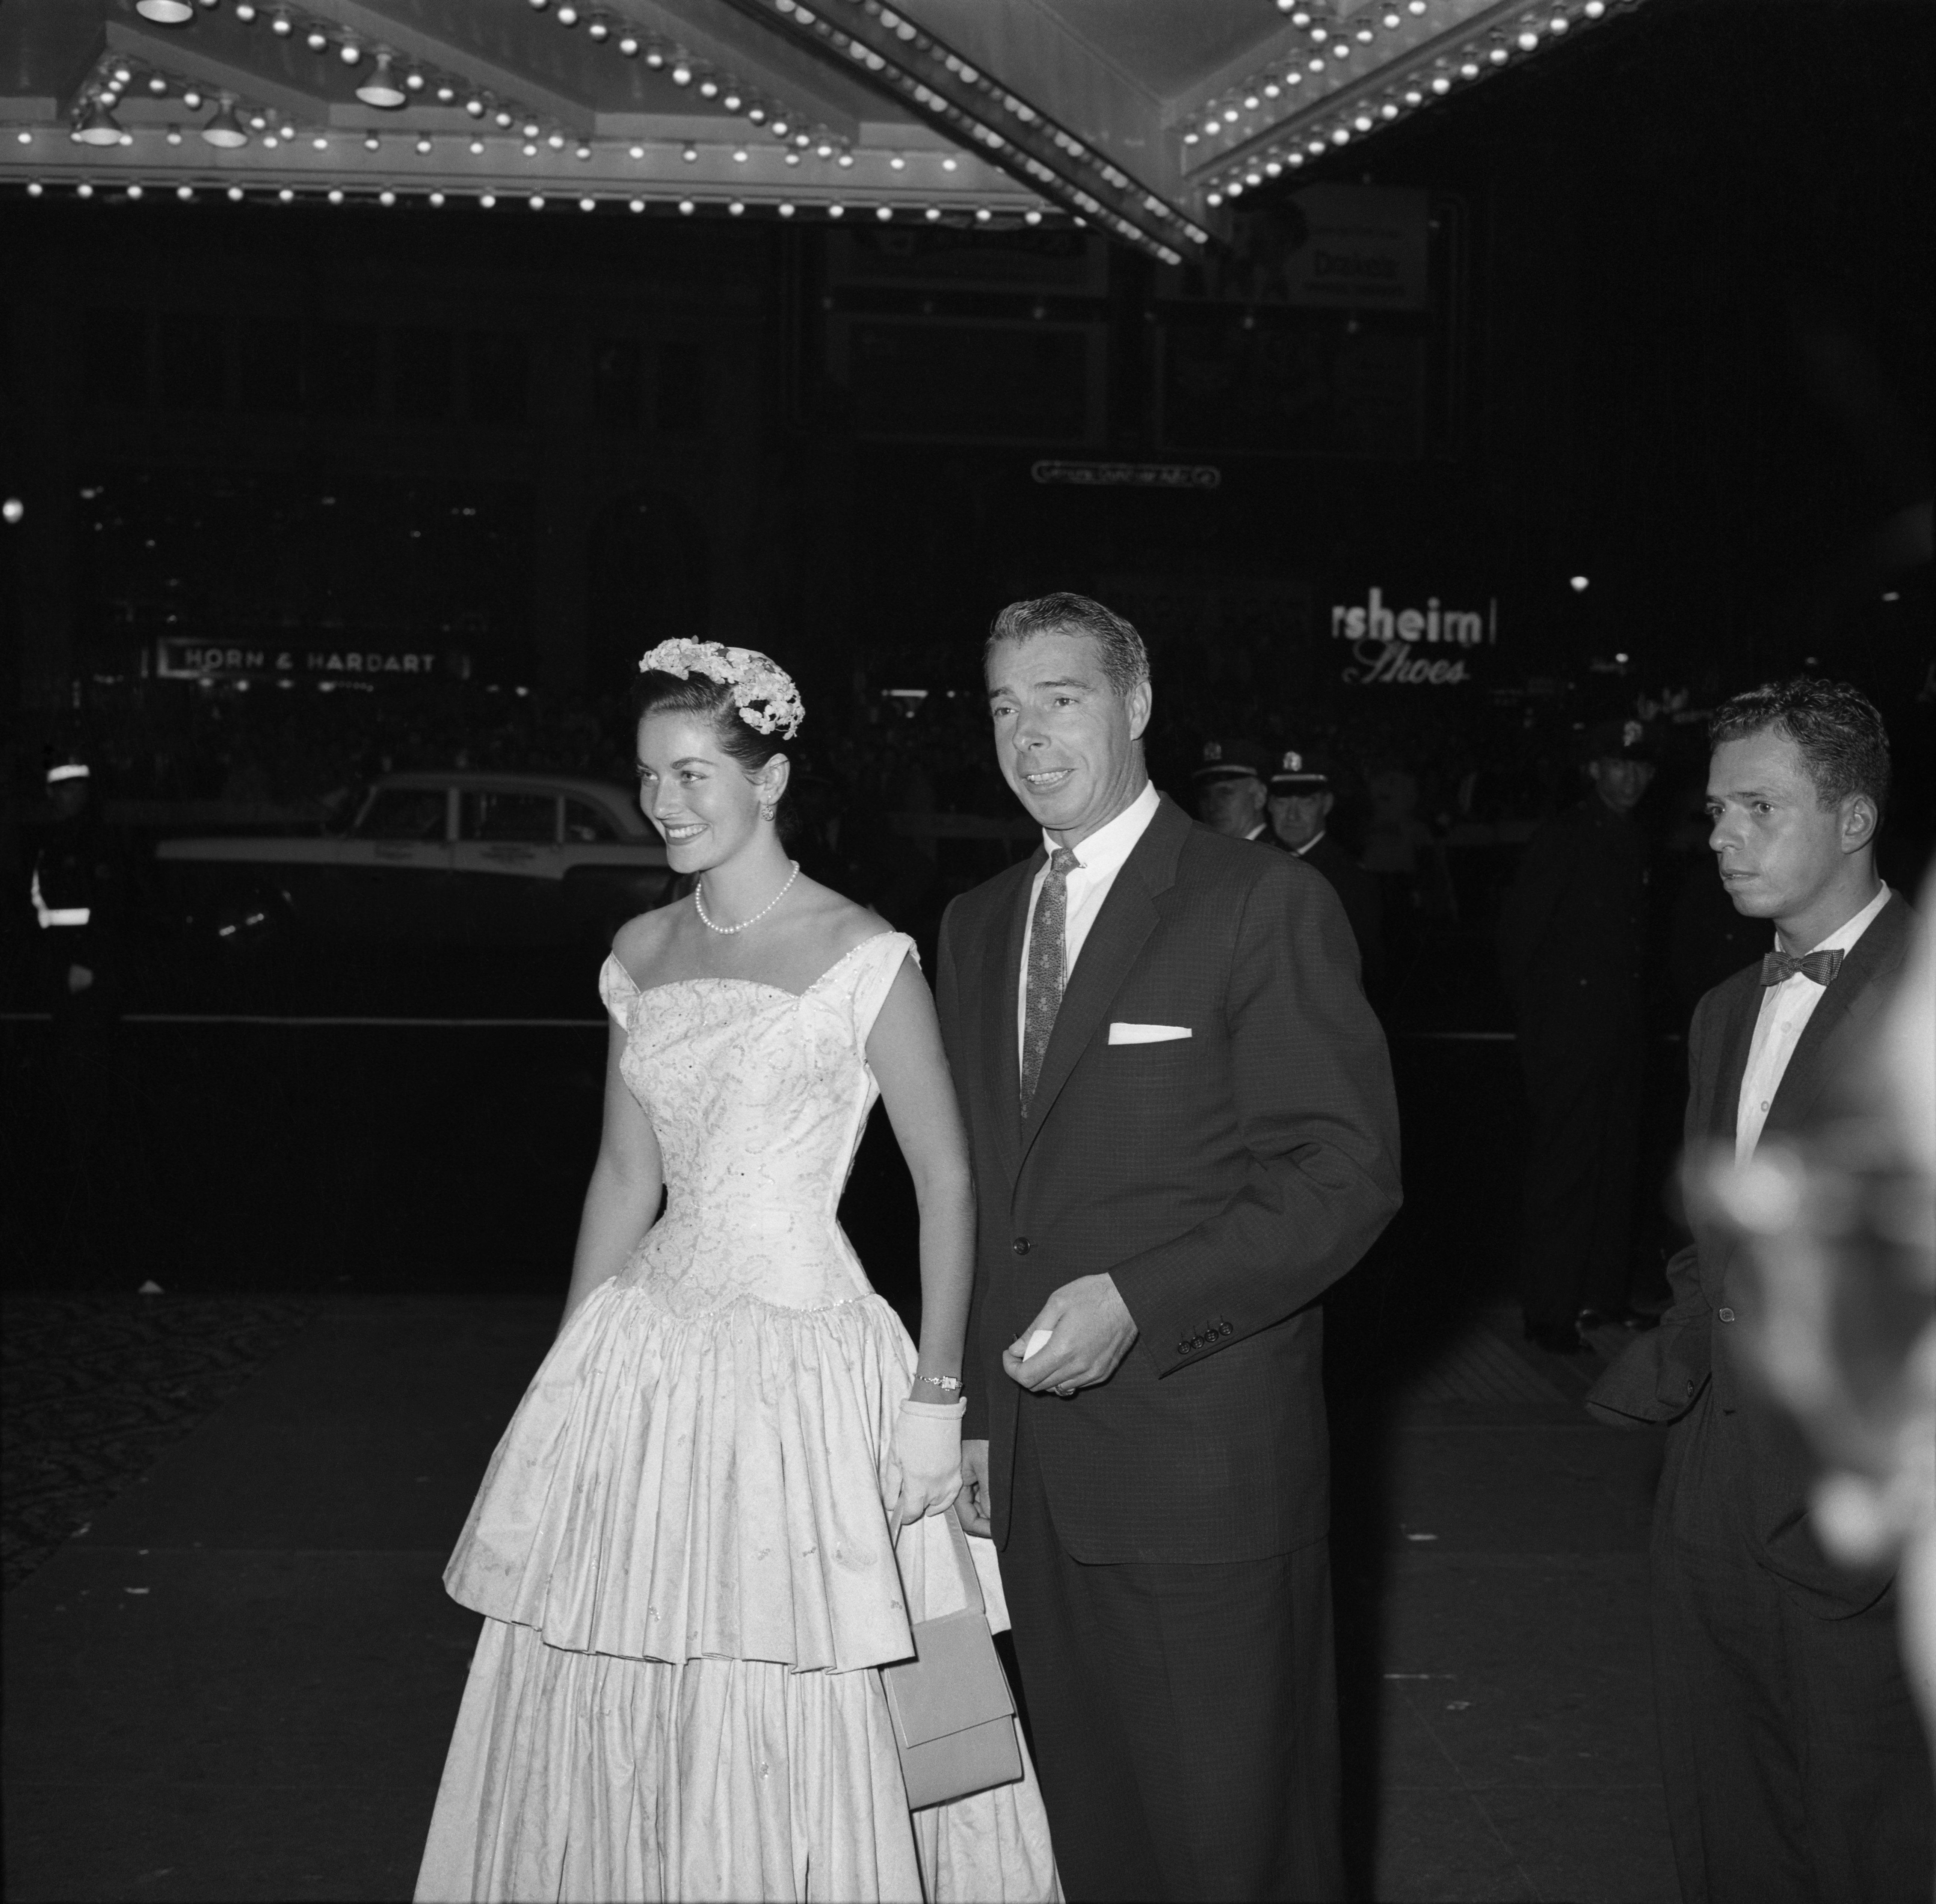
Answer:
(685, 1546)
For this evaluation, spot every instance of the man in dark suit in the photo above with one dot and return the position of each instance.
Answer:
(1796, 1769)
(1572, 941)
(1182, 1126)
(1301, 798)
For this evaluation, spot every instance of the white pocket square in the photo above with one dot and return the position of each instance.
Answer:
(1146, 1034)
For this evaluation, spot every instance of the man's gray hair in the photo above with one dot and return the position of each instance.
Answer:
(1125, 659)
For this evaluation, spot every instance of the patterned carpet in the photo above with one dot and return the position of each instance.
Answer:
(93, 1388)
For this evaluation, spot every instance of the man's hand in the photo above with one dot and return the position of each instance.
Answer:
(79, 978)
(1091, 1329)
(974, 1505)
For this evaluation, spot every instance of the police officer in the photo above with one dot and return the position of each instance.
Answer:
(1301, 797)
(1572, 940)
(1231, 791)
(73, 890)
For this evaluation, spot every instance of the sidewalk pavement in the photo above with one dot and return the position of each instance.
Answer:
(239, 1682)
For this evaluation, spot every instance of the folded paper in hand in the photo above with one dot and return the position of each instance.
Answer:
(1146, 1034)
(954, 1716)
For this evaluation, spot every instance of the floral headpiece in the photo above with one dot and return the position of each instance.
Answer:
(762, 690)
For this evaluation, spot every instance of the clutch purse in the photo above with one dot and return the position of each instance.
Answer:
(954, 1715)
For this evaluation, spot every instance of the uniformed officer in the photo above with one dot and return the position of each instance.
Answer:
(1572, 940)
(1230, 792)
(72, 888)
(1301, 797)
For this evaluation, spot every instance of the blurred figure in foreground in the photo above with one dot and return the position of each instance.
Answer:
(1794, 1766)
(1300, 800)
(1572, 941)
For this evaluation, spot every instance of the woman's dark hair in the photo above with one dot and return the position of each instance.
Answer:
(1845, 746)
(658, 693)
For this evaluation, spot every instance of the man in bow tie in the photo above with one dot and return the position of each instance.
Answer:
(1796, 1769)
(1184, 1130)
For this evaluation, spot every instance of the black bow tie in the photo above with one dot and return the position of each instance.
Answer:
(1819, 965)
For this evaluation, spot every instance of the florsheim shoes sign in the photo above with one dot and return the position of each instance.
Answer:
(1425, 643)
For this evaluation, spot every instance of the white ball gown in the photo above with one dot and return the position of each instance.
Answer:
(680, 1548)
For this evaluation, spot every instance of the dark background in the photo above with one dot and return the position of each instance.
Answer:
(1678, 345)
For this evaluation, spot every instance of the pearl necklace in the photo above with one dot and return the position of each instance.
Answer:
(698, 900)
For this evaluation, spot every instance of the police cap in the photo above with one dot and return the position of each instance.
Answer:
(1628, 739)
(1298, 770)
(1231, 760)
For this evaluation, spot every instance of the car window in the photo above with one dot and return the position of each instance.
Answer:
(404, 813)
(530, 818)
(586, 824)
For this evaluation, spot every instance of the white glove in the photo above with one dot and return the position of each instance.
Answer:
(925, 1470)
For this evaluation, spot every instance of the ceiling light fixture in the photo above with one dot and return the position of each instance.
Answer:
(224, 130)
(379, 87)
(98, 126)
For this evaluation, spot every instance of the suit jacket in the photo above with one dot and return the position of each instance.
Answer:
(1696, 1357)
(1224, 1180)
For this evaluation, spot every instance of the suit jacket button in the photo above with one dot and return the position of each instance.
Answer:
(1726, 1315)
(1020, 1246)
(1228, 1329)
(1185, 1347)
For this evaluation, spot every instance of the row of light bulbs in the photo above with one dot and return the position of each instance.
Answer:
(1470, 62)
(389, 85)
(913, 37)
(1329, 44)
(538, 201)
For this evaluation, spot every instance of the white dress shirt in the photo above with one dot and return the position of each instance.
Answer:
(1099, 859)
(1785, 1009)
(1301, 851)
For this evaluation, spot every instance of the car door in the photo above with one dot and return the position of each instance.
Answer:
(610, 876)
(508, 865)
(393, 873)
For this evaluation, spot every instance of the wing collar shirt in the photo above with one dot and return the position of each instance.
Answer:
(1098, 860)
(1785, 1009)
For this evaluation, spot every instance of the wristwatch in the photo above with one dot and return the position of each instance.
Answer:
(949, 1384)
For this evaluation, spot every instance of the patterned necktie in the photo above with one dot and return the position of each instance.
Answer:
(1046, 941)
(1819, 965)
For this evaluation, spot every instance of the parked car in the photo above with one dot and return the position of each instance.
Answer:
(511, 860)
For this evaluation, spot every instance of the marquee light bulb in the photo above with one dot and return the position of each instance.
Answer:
(1578, 584)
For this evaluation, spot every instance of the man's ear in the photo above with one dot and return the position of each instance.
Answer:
(1139, 701)
(1860, 821)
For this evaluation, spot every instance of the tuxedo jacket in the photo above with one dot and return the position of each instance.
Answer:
(1696, 1359)
(1223, 1179)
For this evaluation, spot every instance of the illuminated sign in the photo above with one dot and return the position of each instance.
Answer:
(178, 660)
(1129, 475)
(1392, 645)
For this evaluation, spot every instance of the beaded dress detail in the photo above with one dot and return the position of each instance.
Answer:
(680, 1546)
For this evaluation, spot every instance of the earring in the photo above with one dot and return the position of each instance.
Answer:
(766, 812)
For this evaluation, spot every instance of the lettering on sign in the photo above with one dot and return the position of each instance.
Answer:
(213, 661)
(1129, 475)
(1385, 640)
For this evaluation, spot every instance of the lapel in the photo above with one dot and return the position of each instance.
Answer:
(1854, 994)
(1736, 1037)
(1001, 980)
(1122, 927)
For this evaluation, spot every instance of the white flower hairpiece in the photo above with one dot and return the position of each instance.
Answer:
(762, 691)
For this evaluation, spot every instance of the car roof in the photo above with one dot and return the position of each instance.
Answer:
(607, 793)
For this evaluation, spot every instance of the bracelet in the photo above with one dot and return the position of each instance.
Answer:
(949, 1384)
